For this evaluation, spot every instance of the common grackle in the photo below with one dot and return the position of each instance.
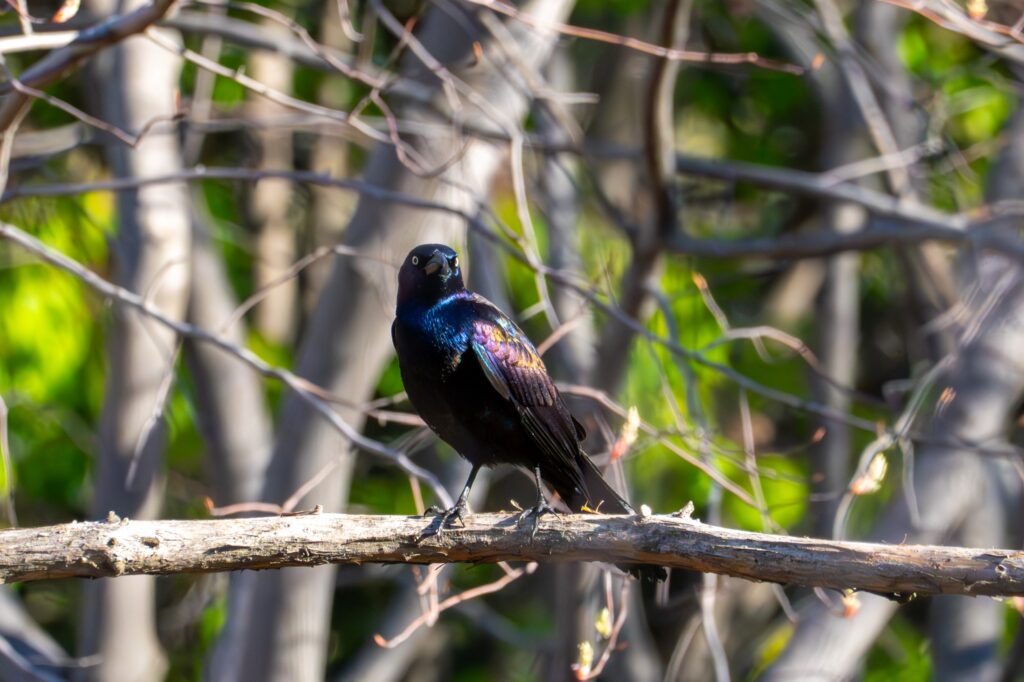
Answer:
(479, 383)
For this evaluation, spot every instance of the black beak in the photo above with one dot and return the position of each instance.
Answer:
(437, 263)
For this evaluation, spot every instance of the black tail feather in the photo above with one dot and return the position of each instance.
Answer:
(599, 496)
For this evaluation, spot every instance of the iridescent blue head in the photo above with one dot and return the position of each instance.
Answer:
(430, 272)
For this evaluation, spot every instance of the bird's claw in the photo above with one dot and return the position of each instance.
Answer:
(444, 519)
(538, 510)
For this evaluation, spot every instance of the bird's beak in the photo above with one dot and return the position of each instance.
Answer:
(437, 263)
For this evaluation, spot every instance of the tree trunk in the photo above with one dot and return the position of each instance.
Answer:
(276, 315)
(135, 82)
(232, 413)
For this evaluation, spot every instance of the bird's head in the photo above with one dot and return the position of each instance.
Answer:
(430, 272)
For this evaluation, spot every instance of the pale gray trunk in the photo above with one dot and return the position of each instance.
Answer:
(276, 315)
(837, 308)
(231, 409)
(634, 198)
(838, 304)
(930, 274)
(558, 199)
(231, 412)
(332, 207)
(571, 359)
(136, 82)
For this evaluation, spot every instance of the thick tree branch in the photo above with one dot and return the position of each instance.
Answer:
(123, 547)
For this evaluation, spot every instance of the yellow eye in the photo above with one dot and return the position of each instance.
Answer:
(415, 260)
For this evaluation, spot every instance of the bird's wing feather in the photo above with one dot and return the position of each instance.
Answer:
(514, 368)
(508, 358)
(512, 364)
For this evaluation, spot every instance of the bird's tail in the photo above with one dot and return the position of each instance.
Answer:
(600, 496)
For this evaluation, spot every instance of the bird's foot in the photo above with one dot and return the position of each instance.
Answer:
(444, 519)
(538, 510)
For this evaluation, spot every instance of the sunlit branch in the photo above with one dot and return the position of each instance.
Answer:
(122, 547)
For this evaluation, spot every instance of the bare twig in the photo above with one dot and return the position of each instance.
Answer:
(511, 575)
(613, 637)
(670, 53)
(856, 78)
(339, 65)
(36, 41)
(911, 222)
(122, 135)
(260, 88)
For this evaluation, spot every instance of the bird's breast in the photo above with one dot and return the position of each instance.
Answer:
(428, 348)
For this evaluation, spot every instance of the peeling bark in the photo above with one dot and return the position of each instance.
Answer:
(124, 548)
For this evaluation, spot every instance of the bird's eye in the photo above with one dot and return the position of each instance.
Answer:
(455, 262)
(415, 260)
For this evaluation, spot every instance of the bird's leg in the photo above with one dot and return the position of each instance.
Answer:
(460, 509)
(538, 510)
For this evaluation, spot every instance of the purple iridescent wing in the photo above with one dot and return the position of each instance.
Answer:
(514, 368)
(511, 363)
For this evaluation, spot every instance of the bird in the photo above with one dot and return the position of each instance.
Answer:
(479, 383)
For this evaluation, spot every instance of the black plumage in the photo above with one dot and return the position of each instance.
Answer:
(479, 383)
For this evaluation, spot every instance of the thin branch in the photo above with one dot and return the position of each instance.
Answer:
(36, 41)
(89, 120)
(58, 63)
(339, 65)
(248, 83)
(820, 185)
(878, 127)
(428, 618)
(122, 547)
(670, 53)
(613, 638)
